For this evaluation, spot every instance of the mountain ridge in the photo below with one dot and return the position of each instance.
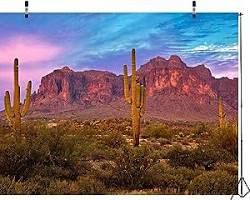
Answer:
(170, 81)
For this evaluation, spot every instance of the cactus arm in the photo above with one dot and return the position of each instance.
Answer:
(138, 95)
(16, 102)
(142, 96)
(133, 79)
(221, 113)
(7, 104)
(126, 85)
(143, 100)
(27, 100)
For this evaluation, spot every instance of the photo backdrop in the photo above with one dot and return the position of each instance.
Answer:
(189, 67)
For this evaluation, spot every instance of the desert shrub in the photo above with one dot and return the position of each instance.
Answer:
(230, 168)
(185, 142)
(48, 153)
(101, 153)
(16, 159)
(204, 155)
(115, 125)
(105, 175)
(8, 186)
(4, 129)
(200, 128)
(90, 185)
(156, 175)
(84, 185)
(89, 132)
(62, 187)
(39, 184)
(157, 131)
(182, 177)
(114, 140)
(213, 182)
(227, 138)
(165, 177)
(11, 186)
(164, 141)
(130, 168)
(124, 127)
(208, 155)
(84, 146)
(179, 157)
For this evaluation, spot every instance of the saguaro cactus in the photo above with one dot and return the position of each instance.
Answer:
(221, 113)
(137, 98)
(15, 113)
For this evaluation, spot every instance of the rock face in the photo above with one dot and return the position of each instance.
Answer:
(174, 77)
(65, 87)
(175, 91)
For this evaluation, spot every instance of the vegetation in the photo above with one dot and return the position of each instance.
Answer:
(158, 130)
(221, 113)
(14, 114)
(215, 182)
(137, 98)
(98, 157)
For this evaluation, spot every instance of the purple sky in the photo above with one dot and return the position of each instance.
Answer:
(45, 42)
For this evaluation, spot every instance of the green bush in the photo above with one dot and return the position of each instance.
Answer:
(227, 139)
(62, 187)
(164, 141)
(114, 140)
(208, 155)
(213, 182)
(200, 128)
(4, 129)
(165, 177)
(204, 155)
(157, 131)
(231, 168)
(94, 158)
(102, 153)
(179, 157)
(130, 168)
(10, 186)
(48, 153)
(90, 185)
(17, 159)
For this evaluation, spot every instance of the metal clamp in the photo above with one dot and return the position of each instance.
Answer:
(194, 9)
(26, 15)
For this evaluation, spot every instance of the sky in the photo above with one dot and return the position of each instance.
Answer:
(103, 41)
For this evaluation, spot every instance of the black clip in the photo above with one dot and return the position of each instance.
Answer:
(194, 9)
(26, 15)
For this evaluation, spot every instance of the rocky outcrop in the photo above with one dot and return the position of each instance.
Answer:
(65, 87)
(174, 77)
(182, 91)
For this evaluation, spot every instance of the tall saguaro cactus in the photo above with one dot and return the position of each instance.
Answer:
(221, 113)
(15, 113)
(136, 99)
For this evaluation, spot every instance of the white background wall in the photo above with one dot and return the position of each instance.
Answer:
(153, 6)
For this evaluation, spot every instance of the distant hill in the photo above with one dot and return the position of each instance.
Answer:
(175, 92)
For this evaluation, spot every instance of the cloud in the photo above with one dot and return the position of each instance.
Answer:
(232, 73)
(28, 48)
(216, 48)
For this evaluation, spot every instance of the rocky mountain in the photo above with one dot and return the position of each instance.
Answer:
(65, 87)
(175, 92)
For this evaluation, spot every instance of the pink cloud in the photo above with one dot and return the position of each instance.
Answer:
(28, 49)
(26, 73)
